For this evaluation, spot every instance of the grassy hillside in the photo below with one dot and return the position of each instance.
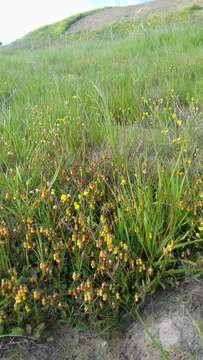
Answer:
(48, 34)
(122, 20)
(101, 171)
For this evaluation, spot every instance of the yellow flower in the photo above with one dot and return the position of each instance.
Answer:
(88, 284)
(64, 198)
(176, 141)
(85, 193)
(100, 293)
(168, 249)
(56, 258)
(93, 264)
(136, 298)
(102, 219)
(68, 212)
(36, 295)
(27, 309)
(164, 132)
(74, 276)
(43, 302)
(76, 206)
(139, 262)
(123, 182)
(88, 296)
(27, 245)
(18, 300)
(125, 247)
(53, 192)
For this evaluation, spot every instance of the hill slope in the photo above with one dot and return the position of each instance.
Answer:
(109, 16)
(99, 20)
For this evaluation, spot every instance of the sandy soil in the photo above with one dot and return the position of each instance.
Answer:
(109, 16)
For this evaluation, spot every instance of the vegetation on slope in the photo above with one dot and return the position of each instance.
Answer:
(50, 33)
(101, 173)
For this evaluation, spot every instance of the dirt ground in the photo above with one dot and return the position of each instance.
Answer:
(173, 318)
(109, 16)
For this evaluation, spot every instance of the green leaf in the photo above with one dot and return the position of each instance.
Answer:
(1, 330)
(28, 329)
(16, 331)
(38, 331)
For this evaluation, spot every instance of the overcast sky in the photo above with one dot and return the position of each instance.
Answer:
(18, 17)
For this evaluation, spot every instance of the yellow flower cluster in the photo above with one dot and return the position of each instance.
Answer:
(96, 248)
(20, 295)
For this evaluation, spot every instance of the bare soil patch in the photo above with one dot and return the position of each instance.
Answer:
(109, 16)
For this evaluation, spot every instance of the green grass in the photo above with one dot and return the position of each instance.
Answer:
(48, 34)
(115, 126)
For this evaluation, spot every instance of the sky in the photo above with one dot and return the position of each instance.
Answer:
(18, 17)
